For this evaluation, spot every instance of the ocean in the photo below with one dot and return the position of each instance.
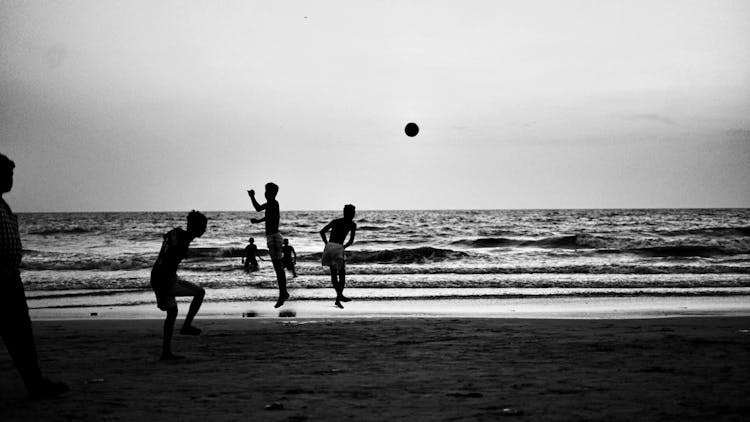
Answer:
(85, 260)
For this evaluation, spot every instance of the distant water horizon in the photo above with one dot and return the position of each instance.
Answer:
(387, 209)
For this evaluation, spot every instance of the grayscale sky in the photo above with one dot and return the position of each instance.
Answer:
(159, 105)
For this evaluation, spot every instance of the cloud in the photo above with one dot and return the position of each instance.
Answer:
(56, 55)
(654, 117)
(739, 135)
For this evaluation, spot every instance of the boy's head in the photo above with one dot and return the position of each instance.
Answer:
(251, 240)
(196, 223)
(349, 211)
(286, 242)
(271, 190)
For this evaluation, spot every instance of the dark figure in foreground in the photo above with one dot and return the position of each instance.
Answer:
(290, 257)
(333, 254)
(167, 285)
(15, 324)
(251, 252)
(273, 237)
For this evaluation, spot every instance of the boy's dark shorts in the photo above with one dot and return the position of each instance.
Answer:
(165, 298)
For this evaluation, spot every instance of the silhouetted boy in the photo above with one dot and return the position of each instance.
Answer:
(290, 257)
(15, 324)
(273, 237)
(333, 254)
(251, 252)
(167, 285)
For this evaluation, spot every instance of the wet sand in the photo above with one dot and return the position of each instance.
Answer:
(689, 368)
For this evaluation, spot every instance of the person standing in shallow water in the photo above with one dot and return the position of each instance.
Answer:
(251, 252)
(290, 257)
(274, 240)
(167, 286)
(15, 324)
(333, 253)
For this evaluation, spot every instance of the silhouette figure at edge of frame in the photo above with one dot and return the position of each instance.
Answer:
(167, 285)
(333, 253)
(15, 323)
(251, 252)
(290, 257)
(273, 237)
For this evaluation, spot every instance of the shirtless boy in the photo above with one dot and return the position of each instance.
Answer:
(333, 254)
(274, 240)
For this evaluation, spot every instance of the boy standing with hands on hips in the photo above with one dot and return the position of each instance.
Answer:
(274, 239)
(333, 253)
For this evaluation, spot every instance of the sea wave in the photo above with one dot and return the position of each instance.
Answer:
(686, 251)
(566, 242)
(121, 263)
(60, 230)
(216, 252)
(426, 261)
(709, 232)
(614, 245)
(400, 256)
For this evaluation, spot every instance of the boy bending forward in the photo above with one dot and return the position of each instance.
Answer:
(167, 286)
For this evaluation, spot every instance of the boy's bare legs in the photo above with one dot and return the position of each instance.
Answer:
(335, 282)
(342, 283)
(166, 348)
(338, 280)
(278, 266)
(195, 305)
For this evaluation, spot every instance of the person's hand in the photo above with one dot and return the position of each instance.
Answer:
(251, 192)
(254, 220)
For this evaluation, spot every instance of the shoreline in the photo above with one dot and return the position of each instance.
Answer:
(373, 369)
(604, 308)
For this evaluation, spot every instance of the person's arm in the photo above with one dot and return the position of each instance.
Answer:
(294, 260)
(324, 230)
(351, 236)
(10, 242)
(257, 253)
(258, 207)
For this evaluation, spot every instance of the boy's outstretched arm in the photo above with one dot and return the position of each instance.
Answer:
(256, 205)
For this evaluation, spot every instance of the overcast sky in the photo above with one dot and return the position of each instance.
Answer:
(144, 105)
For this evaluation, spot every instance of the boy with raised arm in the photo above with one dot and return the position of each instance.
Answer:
(167, 285)
(333, 254)
(274, 240)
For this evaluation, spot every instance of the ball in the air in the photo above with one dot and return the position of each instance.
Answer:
(411, 129)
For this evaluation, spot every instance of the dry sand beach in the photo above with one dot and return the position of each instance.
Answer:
(296, 369)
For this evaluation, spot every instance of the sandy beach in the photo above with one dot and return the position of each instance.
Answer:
(296, 369)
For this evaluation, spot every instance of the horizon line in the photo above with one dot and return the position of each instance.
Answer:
(392, 210)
